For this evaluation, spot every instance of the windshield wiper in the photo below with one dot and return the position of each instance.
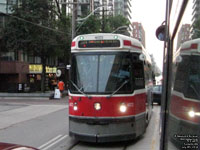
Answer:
(126, 81)
(79, 89)
(196, 92)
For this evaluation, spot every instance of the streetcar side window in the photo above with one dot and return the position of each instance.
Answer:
(148, 73)
(181, 75)
(138, 75)
(194, 79)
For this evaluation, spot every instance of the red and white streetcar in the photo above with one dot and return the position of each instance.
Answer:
(185, 100)
(110, 88)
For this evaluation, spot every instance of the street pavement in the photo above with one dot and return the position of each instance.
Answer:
(43, 123)
(16, 110)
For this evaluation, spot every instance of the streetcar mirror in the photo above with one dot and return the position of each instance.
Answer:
(142, 57)
(160, 33)
(178, 59)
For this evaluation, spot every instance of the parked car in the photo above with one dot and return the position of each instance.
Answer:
(8, 146)
(157, 91)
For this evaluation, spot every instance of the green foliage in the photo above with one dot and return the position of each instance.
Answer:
(113, 22)
(29, 29)
(94, 24)
(25, 31)
(91, 25)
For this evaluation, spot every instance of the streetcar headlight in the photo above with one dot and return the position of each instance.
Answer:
(75, 107)
(123, 108)
(97, 106)
(192, 113)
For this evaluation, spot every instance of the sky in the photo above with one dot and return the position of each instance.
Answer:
(151, 13)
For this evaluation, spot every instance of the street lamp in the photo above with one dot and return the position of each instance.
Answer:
(84, 19)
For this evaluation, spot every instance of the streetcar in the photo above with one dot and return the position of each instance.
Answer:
(110, 91)
(184, 116)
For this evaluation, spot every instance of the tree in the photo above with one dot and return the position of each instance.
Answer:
(113, 22)
(29, 30)
(93, 24)
(63, 23)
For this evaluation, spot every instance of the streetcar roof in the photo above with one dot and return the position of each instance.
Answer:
(127, 43)
(188, 47)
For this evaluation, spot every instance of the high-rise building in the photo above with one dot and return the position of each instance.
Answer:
(84, 8)
(196, 10)
(138, 32)
(112, 7)
(184, 34)
(122, 7)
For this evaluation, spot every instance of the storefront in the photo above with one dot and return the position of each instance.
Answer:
(35, 76)
(13, 76)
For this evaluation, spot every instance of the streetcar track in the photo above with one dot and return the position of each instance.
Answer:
(91, 146)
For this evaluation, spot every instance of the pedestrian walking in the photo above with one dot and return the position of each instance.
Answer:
(61, 86)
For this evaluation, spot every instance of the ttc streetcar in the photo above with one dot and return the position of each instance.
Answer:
(110, 91)
(184, 116)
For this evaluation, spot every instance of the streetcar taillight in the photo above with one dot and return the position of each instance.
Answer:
(73, 44)
(127, 43)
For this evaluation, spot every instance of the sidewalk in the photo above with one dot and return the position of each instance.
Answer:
(36, 95)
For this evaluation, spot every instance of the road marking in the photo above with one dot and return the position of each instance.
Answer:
(156, 130)
(49, 141)
(52, 142)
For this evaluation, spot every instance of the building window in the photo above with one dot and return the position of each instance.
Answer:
(8, 56)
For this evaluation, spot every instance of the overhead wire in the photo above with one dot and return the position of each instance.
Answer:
(41, 26)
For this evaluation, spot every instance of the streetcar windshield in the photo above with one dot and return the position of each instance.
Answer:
(190, 89)
(101, 73)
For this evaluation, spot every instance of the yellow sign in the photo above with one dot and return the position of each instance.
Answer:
(38, 69)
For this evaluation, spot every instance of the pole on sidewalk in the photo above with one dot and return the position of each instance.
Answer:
(74, 17)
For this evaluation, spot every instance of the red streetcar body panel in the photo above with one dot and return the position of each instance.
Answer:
(109, 106)
(180, 108)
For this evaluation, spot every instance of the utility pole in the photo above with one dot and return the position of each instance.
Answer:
(103, 24)
(91, 5)
(74, 17)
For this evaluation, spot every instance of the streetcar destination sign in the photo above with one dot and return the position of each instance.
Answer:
(98, 43)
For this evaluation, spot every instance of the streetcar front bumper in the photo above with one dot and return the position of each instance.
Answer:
(106, 129)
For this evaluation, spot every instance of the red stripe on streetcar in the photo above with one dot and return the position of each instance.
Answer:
(181, 107)
(128, 43)
(109, 107)
(192, 46)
